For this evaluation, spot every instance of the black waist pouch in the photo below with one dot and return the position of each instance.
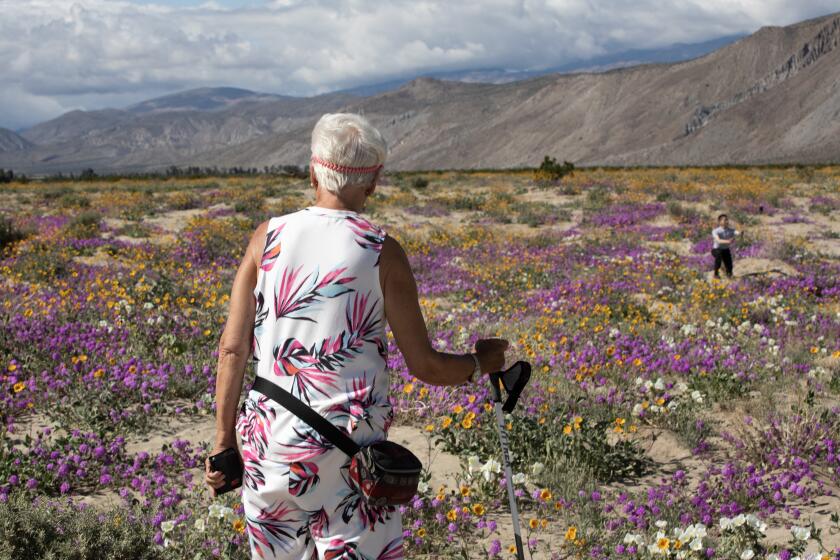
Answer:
(384, 472)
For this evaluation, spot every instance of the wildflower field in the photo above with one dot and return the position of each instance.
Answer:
(670, 415)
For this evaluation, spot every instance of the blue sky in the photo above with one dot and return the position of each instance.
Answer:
(60, 55)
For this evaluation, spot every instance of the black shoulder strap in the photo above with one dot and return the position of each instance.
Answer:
(305, 413)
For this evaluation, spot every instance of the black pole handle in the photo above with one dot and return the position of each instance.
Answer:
(514, 379)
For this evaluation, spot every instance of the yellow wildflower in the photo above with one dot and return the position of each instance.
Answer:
(452, 514)
(239, 526)
(478, 509)
(19, 386)
(571, 533)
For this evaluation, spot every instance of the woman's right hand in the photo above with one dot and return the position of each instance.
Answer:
(491, 354)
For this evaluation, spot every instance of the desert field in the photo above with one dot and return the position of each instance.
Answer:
(670, 415)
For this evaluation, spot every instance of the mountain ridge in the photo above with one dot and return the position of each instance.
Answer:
(772, 96)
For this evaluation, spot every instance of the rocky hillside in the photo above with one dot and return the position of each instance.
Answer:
(10, 141)
(771, 97)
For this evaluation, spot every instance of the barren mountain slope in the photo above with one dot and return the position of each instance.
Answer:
(10, 141)
(770, 97)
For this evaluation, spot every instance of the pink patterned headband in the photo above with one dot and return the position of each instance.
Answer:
(344, 168)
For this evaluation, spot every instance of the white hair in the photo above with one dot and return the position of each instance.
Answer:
(349, 140)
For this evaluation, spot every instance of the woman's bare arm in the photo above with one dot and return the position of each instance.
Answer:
(402, 310)
(235, 342)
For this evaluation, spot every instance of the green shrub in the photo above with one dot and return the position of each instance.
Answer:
(9, 233)
(597, 197)
(550, 171)
(74, 200)
(85, 224)
(420, 183)
(40, 262)
(249, 201)
(558, 441)
(183, 200)
(51, 193)
(35, 529)
(134, 229)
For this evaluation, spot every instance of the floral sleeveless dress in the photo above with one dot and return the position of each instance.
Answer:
(319, 332)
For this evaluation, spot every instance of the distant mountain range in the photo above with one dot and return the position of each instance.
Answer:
(771, 97)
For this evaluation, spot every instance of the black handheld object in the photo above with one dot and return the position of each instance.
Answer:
(230, 464)
(513, 379)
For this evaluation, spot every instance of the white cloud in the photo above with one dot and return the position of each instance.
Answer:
(57, 55)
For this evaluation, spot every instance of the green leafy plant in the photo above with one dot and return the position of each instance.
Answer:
(38, 529)
(550, 171)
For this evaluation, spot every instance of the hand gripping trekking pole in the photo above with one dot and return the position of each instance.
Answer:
(513, 380)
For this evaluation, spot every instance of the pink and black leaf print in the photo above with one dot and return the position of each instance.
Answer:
(253, 476)
(259, 319)
(305, 444)
(303, 477)
(392, 551)
(319, 523)
(272, 248)
(254, 422)
(309, 376)
(340, 550)
(368, 236)
(273, 528)
(298, 299)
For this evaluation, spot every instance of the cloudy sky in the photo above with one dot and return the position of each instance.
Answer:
(58, 55)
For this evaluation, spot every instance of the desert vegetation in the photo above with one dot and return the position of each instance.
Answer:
(669, 415)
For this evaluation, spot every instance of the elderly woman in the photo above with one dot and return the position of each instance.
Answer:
(309, 302)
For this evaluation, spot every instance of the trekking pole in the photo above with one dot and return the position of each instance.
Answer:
(513, 380)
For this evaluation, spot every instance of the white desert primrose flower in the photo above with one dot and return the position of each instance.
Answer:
(473, 464)
(801, 533)
(537, 468)
(491, 468)
(167, 526)
(748, 554)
